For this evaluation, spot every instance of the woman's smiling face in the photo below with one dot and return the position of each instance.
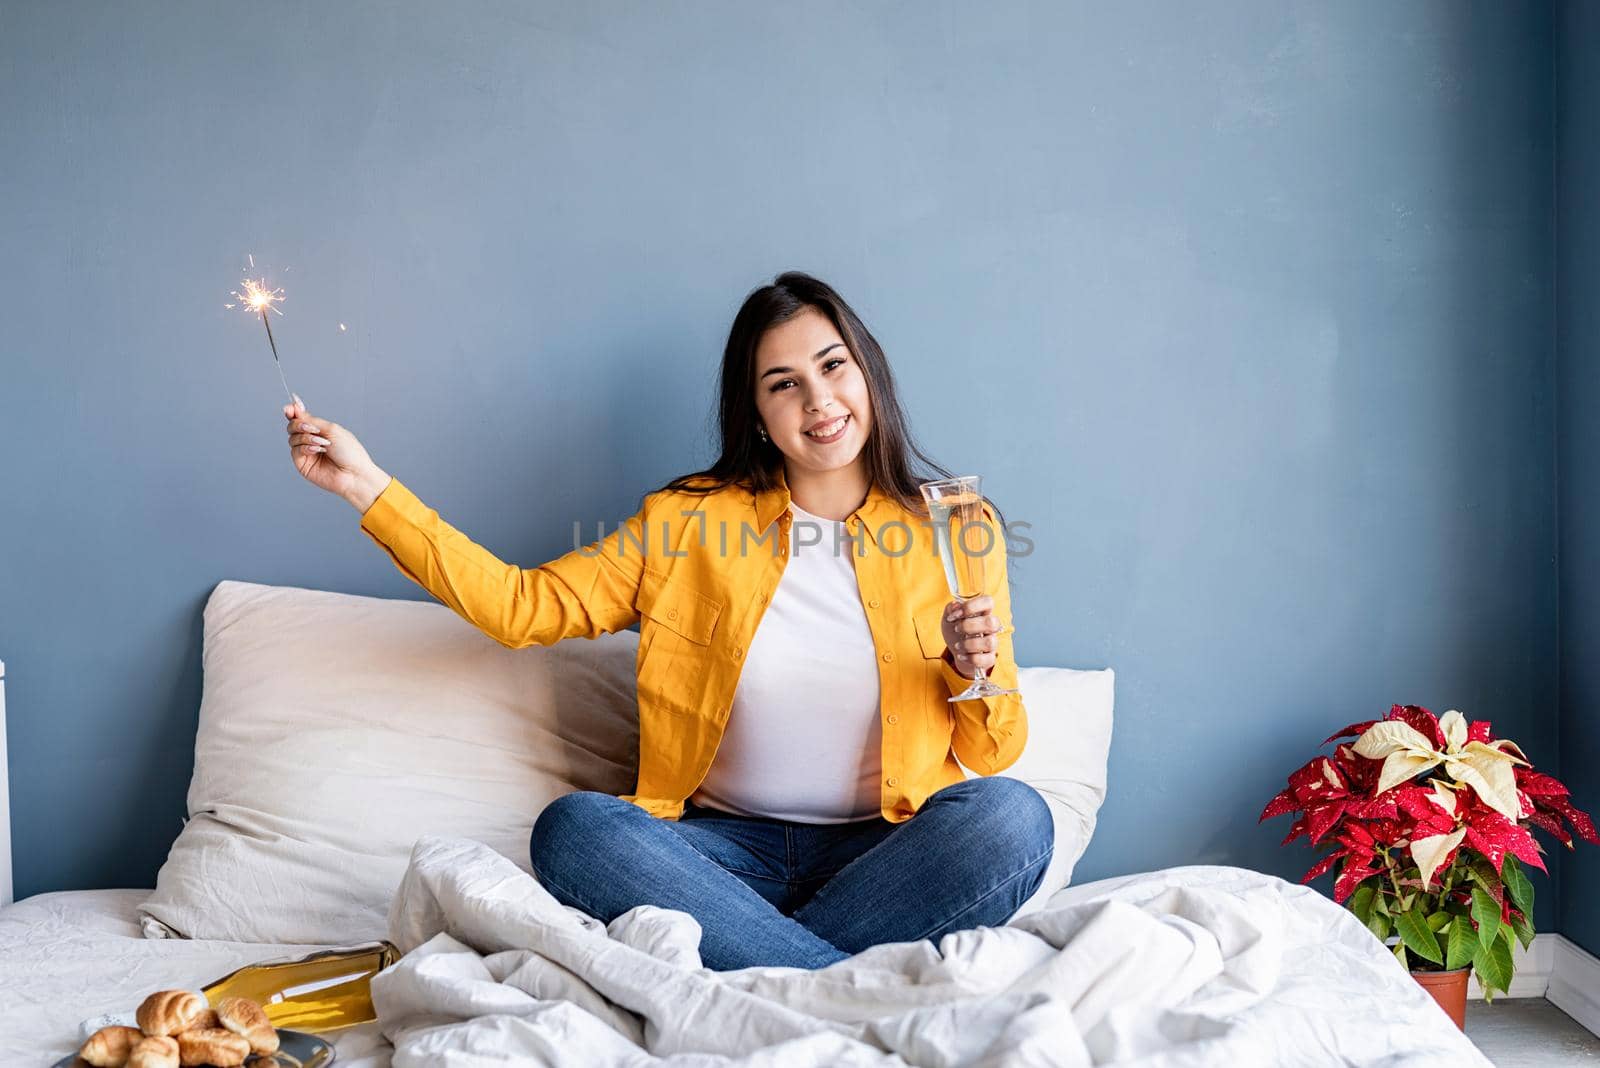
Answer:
(807, 379)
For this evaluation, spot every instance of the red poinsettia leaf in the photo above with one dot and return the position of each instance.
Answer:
(1386, 832)
(1577, 817)
(1420, 720)
(1478, 731)
(1546, 822)
(1280, 805)
(1538, 784)
(1494, 836)
(1319, 779)
(1505, 909)
(1322, 818)
(1417, 802)
(1295, 831)
(1362, 774)
(1382, 807)
(1352, 731)
(1355, 834)
(1323, 866)
(1351, 877)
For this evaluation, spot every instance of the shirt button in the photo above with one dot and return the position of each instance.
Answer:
(893, 781)
(893, 718)
(888, 658)
(672, 613)
(738, 651)
(873, 604)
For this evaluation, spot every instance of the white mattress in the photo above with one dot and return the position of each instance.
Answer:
(70, 956)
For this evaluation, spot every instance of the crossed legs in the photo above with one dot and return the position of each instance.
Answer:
(771, 893)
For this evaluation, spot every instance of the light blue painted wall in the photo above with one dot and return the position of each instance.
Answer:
(1253, 302)
(1578, 347)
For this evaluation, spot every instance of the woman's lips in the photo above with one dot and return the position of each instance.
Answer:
(844, 424)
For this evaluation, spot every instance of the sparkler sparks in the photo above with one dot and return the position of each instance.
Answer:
(258, 299)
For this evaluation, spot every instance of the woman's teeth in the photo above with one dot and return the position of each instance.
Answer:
(830, 431)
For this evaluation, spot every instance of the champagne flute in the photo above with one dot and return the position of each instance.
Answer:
(963, 538)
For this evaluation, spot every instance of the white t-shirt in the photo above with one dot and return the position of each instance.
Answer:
(803, 740)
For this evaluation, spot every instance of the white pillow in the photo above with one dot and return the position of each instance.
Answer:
(336, 729)
(1069, 739)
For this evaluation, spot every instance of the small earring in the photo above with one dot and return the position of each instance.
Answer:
(762, 431)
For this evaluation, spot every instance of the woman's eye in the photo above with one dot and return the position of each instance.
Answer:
(827, 367)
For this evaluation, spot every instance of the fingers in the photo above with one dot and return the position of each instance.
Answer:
(309, 439)
(981, 643)
(983, 604)
(965, 662)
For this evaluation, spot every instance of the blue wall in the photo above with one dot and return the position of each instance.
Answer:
(1248, 308)
(1578, 347)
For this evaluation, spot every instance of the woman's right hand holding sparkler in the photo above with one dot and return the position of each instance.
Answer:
(330, 457)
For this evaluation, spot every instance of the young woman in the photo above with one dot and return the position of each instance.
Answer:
(799, 790)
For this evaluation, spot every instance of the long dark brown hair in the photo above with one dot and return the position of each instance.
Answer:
(753, 464)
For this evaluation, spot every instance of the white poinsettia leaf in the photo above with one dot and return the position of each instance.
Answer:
(1400, 766)
(1389, 736)
(1454, 726)
(1444, 797)
(1430, 852)
(1505, 747)
(1491, 777)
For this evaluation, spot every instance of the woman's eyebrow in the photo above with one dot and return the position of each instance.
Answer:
(814, 356)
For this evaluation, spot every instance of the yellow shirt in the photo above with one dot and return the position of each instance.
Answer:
(696, 573)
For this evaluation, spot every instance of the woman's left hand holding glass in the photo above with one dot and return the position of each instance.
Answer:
(970, 631)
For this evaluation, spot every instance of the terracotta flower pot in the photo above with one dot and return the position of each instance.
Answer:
(1449, 989)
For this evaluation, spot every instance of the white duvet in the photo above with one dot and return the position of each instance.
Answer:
(1198, 965)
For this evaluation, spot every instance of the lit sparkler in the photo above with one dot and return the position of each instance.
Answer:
(257, 299)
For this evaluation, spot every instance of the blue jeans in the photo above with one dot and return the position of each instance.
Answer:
(802, 895)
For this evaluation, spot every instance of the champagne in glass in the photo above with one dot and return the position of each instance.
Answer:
(964, 539)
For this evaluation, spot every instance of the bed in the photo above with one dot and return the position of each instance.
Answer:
(364, 813)
(1336, 999)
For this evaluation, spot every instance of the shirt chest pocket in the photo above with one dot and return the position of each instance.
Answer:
(675, 645)
(930, 636)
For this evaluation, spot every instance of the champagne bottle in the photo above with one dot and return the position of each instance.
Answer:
(322, 992)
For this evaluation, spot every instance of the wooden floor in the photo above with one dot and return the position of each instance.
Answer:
(1529, 1033)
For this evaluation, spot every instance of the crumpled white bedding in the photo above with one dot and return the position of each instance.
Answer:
(1196, 965)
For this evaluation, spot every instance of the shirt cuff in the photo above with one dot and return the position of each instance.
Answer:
(953, 678)
(396, 506)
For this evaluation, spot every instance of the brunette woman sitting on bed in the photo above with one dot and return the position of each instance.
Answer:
(799, 790)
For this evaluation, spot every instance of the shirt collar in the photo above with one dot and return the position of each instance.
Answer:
(876, 510)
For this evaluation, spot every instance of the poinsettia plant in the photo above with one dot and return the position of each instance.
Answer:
(1428, 820)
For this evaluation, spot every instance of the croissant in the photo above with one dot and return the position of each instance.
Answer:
(216, 1046)
(206, 1021)
(244, 1017)
(169, 1012)
(109, 1047)
(154, 1051)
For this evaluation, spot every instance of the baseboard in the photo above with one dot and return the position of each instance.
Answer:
(1574, 982)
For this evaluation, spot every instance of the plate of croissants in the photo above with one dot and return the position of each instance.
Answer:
(178, 1029)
